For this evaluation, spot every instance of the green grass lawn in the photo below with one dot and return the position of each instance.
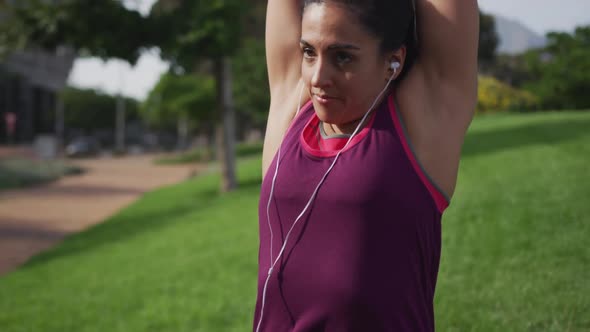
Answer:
(183, 258)
(204, 154)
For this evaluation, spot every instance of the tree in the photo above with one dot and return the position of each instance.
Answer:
(251, 87)
(87, 26)
(183, 101)
(488, 40)
(91, 110)
(510, 69)
(198, 36)
(560, 72)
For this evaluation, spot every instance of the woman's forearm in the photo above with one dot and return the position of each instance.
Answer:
(448, 32)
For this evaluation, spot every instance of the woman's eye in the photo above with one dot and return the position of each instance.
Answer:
(308, 53)
(343, 58)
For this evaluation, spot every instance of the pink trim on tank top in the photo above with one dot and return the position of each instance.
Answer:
(331, 143)
(309, 138)
(330, 147)
(437, 195)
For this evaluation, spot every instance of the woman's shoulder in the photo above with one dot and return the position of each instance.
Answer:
(284, 105)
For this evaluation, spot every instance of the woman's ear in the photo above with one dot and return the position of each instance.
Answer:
(395, 63)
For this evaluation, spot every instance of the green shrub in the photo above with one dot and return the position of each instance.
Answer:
(494, 96)
(16, 173)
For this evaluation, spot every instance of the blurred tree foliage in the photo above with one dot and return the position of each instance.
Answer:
(180, 96)
(99, 28)
(510, 69)
(557, 74)
(191, 31)
(92, 110)
(560, 72)
(201, 36)
(488, 40)
(251, 90)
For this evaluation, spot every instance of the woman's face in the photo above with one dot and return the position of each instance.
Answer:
(342, 63)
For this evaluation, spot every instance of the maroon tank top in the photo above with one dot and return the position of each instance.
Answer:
(365, 255)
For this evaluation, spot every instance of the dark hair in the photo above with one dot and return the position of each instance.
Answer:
(392, 21)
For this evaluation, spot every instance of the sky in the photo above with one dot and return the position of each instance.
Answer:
(116, 76)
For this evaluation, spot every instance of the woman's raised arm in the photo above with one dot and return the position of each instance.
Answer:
(448, 34)
(283, 60)
(283, 57)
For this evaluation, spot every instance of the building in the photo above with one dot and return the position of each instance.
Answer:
(29, 85)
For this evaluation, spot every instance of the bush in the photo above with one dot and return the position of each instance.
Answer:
(494, 96)
(17, 173)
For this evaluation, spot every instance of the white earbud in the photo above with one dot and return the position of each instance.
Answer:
(394, 65)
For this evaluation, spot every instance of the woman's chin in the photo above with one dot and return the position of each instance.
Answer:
(335, 115)
(331, 113)
(327, 116)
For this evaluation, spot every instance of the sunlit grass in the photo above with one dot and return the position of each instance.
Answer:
(515, 247)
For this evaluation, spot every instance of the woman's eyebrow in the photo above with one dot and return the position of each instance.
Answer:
(343, 46)
(333, 46)
(304, 43)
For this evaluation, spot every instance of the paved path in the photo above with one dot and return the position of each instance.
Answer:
(34, 219)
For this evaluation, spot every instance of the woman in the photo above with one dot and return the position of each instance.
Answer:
(356, 180)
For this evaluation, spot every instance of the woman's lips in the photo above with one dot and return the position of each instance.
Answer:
(325, 99)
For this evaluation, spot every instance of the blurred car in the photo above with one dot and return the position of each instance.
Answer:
(83, 147)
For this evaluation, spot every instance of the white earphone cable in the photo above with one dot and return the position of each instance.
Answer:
(277, 169)
(272, 188)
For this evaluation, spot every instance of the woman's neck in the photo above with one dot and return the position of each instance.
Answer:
(349, 127)
(345, 128)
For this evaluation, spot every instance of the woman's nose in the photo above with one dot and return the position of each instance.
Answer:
(322, 77)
